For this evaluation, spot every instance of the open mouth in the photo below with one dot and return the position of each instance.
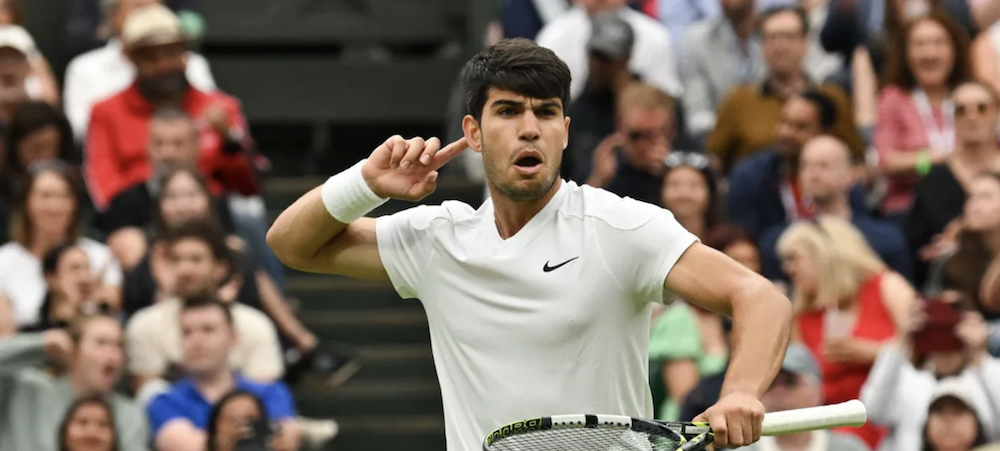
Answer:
(528, 161)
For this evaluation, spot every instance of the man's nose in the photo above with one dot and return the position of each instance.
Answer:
(529, 127)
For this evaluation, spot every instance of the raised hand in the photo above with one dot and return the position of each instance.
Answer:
(407, 168)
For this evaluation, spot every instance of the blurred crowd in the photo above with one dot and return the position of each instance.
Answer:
(848, 150)
(845, 149)
(140, 307)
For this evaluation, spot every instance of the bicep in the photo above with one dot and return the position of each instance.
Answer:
(180, 435)
(708, 278)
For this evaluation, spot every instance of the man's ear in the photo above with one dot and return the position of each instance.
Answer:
(473, 134)
(566, 139)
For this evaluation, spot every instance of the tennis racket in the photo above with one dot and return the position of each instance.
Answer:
(621, 433)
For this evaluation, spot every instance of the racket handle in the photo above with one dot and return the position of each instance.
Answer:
(851, 413)
(698, 443)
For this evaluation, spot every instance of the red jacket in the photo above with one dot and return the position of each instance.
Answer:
(116, 155)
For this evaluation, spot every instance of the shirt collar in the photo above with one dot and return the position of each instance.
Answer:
(765, 87)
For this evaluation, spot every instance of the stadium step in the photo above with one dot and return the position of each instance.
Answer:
(394, 401)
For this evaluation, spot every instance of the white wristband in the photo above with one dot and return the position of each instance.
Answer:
(348, 197)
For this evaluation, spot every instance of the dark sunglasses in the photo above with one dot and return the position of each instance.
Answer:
(964, 109)
(644, 135)
(679, 158)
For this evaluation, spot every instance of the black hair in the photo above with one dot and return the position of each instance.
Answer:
(88, 400)
(213, 420)
(517, 65)
(29, 118)
(768, 13)
(825, 107)
(50, 265)
(207, 301)
(980, 430)
(202, 230)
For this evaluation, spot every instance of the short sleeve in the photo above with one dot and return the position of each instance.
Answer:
(162, 410)
(641, 256)
(278, 402)
(404, 240)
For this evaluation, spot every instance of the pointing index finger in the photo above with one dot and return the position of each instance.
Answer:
(450, 151)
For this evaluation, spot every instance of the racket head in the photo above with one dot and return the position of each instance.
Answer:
(591, 433)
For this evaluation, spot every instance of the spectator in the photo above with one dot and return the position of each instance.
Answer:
(37, 132)
(11, 12)
(680, 16)
(969, 268)
(847, 305)
(116, 151)
(41, 83)
(799, 385)
(48, 213)
(953, 421)
(916, 114)
(231, 420)
(101, 73)
(525, 18)
(747, 120)
(763, 188)
(89, 425)
(986, 57)
(941, 193)
(717, 55)
(826, 178)
(653, 57)
(690, 191)
(35, 401)
(173, 143)
(210, 333)
(630, 161)
(70, 286)
(952, 347)
(819, 64)
(199, 264)
(593, 112)
(16, 48)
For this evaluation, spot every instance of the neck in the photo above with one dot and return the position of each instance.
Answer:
(214, 385)
(977, 154)
(794, 441)
(992, 241)
(787, 84)
(41, 243)
(836, 206)
(694, 224)
(936, 95)
(512, 215)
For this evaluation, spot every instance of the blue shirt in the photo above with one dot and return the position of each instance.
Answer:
(184, 401)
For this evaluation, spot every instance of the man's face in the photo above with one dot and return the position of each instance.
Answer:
(14, 70)
(597, 6)
(522, 140)
(976, 116)
(798, 124)
(792, 391)
(98, 360)
(825, 170)
(737, 10)
(160, 70)
(648, 133)
(206, 339)
(196, 269)
(173, 143)
(783, 43)
(122, 11)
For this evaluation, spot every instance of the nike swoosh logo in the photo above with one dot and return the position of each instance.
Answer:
(548, 268)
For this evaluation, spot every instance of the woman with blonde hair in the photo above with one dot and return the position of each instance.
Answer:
(847, 304)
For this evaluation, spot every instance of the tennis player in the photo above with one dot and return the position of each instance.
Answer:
(538, 301)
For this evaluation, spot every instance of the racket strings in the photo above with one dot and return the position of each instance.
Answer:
(589, 439)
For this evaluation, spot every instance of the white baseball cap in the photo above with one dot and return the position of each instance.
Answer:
(17, 38)
(152, 25)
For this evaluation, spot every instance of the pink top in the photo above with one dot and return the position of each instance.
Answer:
(900, 128)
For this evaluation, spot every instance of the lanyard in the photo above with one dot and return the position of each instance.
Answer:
(793, 210)
(940, 138)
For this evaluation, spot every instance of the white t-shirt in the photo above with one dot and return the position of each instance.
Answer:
(514, 341)
(653, 54)
(22, 281)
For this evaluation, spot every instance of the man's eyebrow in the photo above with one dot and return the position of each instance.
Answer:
(508, 102)
(550, 104)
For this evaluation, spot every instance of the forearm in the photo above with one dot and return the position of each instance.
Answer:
(303, 230)
(901, 162)
(762, 319)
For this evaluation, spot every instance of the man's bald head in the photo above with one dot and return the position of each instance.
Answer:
(825, 169)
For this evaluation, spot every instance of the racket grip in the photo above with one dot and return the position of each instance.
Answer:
(851, 413)
(698, 443)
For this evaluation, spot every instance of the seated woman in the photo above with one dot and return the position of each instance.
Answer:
(88, 426)
(847, 305)
(690, 191)
(71, 288)
(47, 213)
(232, 420)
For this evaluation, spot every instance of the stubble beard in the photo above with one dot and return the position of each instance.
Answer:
(496, 175)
